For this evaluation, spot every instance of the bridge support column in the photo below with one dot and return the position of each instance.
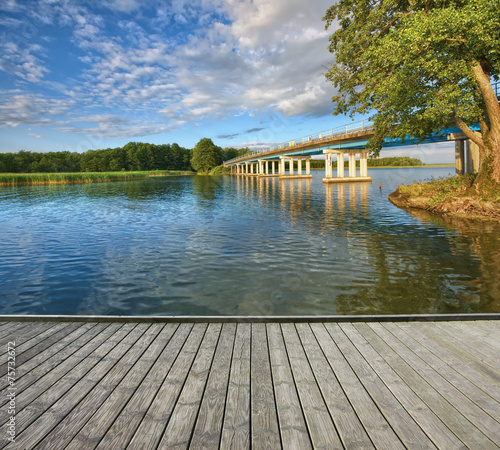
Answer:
(352, 164)
(282, 166)
(308, 165)
(292, 173)
(460, 157)
(340, 165)
(363, 165)
(472, 157)
(328, 165)
(340, 178)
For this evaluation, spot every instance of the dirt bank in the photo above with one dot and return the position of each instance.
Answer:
(466, 206)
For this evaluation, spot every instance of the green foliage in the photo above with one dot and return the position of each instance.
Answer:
(135, 156)
(205, 156)
(396, 161)
(220, 170)
(414, 62)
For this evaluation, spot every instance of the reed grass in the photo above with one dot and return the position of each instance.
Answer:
(25, 179)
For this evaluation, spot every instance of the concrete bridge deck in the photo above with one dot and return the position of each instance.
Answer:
(325, 383)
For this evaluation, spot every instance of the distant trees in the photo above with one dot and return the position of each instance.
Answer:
(396, 161)
(133, 156)
(206, 155)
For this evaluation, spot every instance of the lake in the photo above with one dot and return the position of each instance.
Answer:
(227, 245)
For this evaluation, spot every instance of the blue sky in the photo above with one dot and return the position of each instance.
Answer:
(79, 75)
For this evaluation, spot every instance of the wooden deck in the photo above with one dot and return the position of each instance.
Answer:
(291, 385)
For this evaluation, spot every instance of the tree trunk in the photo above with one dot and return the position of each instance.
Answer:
(490, 128)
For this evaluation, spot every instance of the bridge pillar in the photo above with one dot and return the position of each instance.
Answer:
(340, 165)
(363, 165)
(472, 157)
(308, 165)
(328, 165)
(299, 166)
(340, 178)
(352, 164)
(459, 157)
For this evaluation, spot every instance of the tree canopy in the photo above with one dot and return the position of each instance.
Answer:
(206, 155)
(133, 156)
(422, 65)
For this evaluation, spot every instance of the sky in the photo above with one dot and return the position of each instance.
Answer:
(89, 74)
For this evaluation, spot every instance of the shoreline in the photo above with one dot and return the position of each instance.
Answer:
(455, 196)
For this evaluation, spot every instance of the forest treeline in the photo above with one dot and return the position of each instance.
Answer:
(135, 156)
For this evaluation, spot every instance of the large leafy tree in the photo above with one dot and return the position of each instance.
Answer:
(422, 65)
(206, 155)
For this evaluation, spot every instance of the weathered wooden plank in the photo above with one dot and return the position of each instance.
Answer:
(449, 404)
(264, 420)
(381, 433)
(46, 343)
(11, 330)
(38, 418)
(52, 357)
(446, 402)
(319, 422)
(236, 428)
(45, 382)
(120, 433)
(208, 427)
(150, 431)
(403, 424)
(141, 356)
(472, 344)
(449, 372)
(292, 424)
(100, 402)
(77, 365)
(489, 363)
(178, 432)
(475, 370)
(262, 384)
(487, 330)
(347, 423)
(33, 336)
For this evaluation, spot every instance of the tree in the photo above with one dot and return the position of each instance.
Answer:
(422, 65)
(206, 155)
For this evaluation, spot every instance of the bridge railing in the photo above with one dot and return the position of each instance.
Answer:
(364, 125)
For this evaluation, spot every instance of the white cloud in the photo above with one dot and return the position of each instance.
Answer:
(27, 109)
(231, 57)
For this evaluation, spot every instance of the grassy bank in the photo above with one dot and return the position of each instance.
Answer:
(25, 179)
(456, 195)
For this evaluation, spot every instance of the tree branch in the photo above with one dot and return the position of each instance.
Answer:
(472, 135)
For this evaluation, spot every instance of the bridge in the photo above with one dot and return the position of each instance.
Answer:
(350, 140)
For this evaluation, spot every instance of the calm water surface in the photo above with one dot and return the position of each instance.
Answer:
(240, 246)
